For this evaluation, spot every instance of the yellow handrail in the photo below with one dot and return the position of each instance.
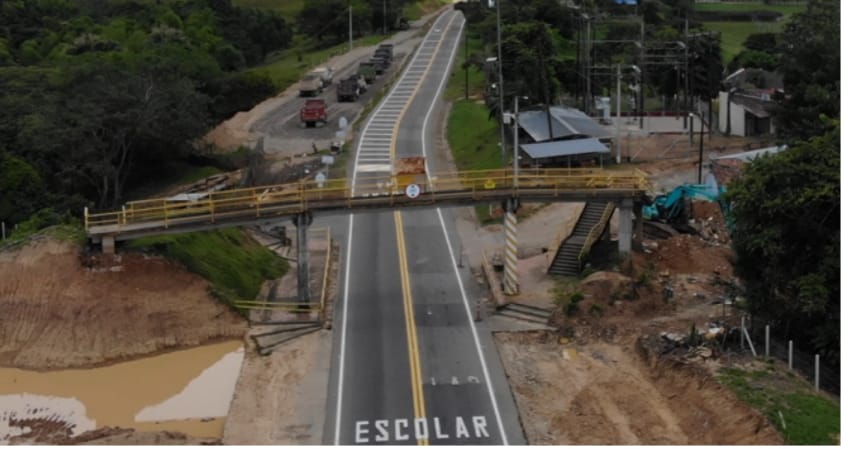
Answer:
(557, 242)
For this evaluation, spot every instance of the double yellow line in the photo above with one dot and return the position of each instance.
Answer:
(409, 314)
(411, 334)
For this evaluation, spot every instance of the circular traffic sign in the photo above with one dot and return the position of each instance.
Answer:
(413, 190)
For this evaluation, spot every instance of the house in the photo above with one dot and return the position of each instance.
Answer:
(745, 106)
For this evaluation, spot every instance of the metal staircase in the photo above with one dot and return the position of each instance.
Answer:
(587, 230)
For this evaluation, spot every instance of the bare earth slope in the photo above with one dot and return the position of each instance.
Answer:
(63, 310)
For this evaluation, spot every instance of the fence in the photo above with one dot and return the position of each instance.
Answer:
(803, 360)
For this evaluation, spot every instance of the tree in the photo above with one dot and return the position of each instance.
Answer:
(786, 214)
(809, 62)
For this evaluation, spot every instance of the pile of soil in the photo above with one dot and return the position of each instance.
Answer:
(64, 310)
(114, 436)
(602, 393)
(690, 254)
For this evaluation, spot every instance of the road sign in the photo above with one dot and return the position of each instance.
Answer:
(413, 190)
(489, 184)
(320, 179)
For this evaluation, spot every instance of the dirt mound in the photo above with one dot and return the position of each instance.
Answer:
(690, 254)
(116, 436)
(61, 310)
(606, 394)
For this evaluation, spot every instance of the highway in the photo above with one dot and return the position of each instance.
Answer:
(410, 364)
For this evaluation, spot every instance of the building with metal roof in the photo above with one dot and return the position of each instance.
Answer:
(566, 123)
(564, 152)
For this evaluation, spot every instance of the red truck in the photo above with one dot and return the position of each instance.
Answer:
(313, 112)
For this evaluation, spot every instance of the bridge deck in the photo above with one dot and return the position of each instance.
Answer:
(243, 206)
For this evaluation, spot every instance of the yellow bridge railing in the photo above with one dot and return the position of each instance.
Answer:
(285, 199)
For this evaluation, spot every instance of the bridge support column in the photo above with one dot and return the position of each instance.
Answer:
(302, 221)
(625, 225)
(107, 244)
(511, 247)
(637, 232)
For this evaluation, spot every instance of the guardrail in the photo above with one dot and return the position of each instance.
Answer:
(288, 306)
(385, 191)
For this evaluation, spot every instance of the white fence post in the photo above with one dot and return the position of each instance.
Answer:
(3, 226)
(742, 334)
(817, 372)
(767, 340)
(790, 354)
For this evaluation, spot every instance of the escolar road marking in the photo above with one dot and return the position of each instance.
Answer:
(402, 429)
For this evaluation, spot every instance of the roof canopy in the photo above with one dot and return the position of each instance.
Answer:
(565, 122)
(573, 147)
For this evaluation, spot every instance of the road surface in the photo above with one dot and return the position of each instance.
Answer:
(411, 366)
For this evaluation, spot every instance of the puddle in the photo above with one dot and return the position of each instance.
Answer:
(186, 391)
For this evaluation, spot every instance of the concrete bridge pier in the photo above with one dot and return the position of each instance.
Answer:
(625, 226)
(302, 221)
(107, 244)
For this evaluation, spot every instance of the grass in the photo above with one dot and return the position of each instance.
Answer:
(286, 8)
(416, 10)
(234, 264)
(786, 10)
(810, 418)
(288, 67)
(733, 34)
(476, 78)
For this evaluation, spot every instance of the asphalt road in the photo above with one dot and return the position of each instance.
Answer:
(411, 366)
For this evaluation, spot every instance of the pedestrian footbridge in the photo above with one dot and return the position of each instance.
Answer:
(255, 205)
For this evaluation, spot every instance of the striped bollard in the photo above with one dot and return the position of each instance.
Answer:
(511, 252)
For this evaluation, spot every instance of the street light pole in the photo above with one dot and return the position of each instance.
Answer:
(500, 84)
(618, 112)
(701, 149)
(350, 25)
(515, 146)
(384, 16)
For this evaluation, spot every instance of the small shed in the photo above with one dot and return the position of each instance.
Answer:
(410, 170)
(565, 152)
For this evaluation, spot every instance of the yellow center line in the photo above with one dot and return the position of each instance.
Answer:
(409, 313)
(411, 334)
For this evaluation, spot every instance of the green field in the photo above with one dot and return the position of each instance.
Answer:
(476, 78)
(786, 10)
(733, 34)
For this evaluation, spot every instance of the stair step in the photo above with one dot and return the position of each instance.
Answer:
(523, 316)
(528, 309)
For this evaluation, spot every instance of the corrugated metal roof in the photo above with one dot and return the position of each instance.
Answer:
(559, 148)
(748, 156)
(565, 122)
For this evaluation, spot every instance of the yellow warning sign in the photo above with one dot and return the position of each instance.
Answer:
(489, 184)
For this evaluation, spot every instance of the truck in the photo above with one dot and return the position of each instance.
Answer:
(368, 71)
(313, 112)
(326, 75)
(386, 48)
(349, 89)
(380, 64)
(311, 85)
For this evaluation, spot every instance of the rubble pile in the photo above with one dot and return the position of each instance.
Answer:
(708, 220)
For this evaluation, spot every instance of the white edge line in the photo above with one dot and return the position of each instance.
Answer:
(450, 250)
(340, 389)
(344, 332)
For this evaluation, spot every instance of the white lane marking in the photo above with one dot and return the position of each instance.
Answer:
(340, 389)
(450, 250)
(369, 167)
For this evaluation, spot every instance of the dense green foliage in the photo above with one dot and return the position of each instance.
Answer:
(809, 62)
(98, 94)
(802, 416)
(234, 264)
(786, 214)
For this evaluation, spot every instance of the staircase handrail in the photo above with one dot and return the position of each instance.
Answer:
(595, 232)
(563, 234)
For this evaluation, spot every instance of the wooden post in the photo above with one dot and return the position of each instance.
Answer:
(817, 372)
(3, 227)
(742, 334)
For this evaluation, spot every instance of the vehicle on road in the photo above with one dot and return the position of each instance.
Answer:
(313, 112)
(311, 85)
(326, 75)
(381, 64)
(385, 53)
(350, 88)
(368, 70)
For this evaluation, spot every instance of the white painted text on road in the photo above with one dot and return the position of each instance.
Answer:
(404, 429)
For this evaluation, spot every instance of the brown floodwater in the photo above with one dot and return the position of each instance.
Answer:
(186, 391)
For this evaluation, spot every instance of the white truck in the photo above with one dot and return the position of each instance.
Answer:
(315, 81)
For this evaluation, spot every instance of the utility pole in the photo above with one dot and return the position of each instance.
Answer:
(500, 84)
(466, 63)
(588, 64)
(350, 25)
(618, 113)
(686, 74)
(701, 150)
(515, 146)
(644, 73)
(384, 16)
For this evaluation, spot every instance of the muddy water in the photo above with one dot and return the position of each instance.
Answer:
(187, 391)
